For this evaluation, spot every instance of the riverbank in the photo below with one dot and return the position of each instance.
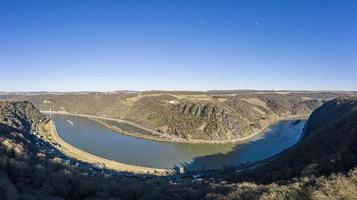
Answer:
(193, 141)
(164, 137)
(48, 130)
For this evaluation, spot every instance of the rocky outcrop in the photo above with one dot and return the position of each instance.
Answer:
(21, 115)
(200, 116)
(214, 119)
(234, 118)
(239, 117)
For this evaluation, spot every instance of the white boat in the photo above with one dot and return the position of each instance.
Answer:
(70, 122)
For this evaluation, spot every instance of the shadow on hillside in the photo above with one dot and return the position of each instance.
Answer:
(261, 147)
(26, 170)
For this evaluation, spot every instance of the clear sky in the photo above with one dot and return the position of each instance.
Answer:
(68, 45)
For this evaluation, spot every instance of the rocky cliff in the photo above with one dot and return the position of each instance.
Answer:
(201, 116)
(235, 117)
(21, 115)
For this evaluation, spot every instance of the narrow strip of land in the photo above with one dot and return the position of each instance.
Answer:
(165, 137)
(71, 151)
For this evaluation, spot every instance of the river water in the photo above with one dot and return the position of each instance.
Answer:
(96, 139)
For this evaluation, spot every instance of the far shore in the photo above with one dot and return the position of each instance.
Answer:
(165, 137)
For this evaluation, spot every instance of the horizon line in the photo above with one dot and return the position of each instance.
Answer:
(201, 91)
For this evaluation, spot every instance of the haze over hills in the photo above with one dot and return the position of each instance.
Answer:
(188, 115)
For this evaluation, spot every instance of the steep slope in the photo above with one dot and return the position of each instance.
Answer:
(235, 117)
(192, 116)
(28, 173)
(328, 145)
(22, 116)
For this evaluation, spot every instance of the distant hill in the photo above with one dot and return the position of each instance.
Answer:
(211, 116)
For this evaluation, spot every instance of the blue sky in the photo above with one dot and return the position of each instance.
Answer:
(65, 45)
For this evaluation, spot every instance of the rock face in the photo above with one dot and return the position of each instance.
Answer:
(201, 116)
(328, 144)
(233, 118)
(21, 115)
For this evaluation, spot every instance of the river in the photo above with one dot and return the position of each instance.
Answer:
(96, 139)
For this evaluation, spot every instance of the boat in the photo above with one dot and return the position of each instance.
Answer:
(70, 122)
